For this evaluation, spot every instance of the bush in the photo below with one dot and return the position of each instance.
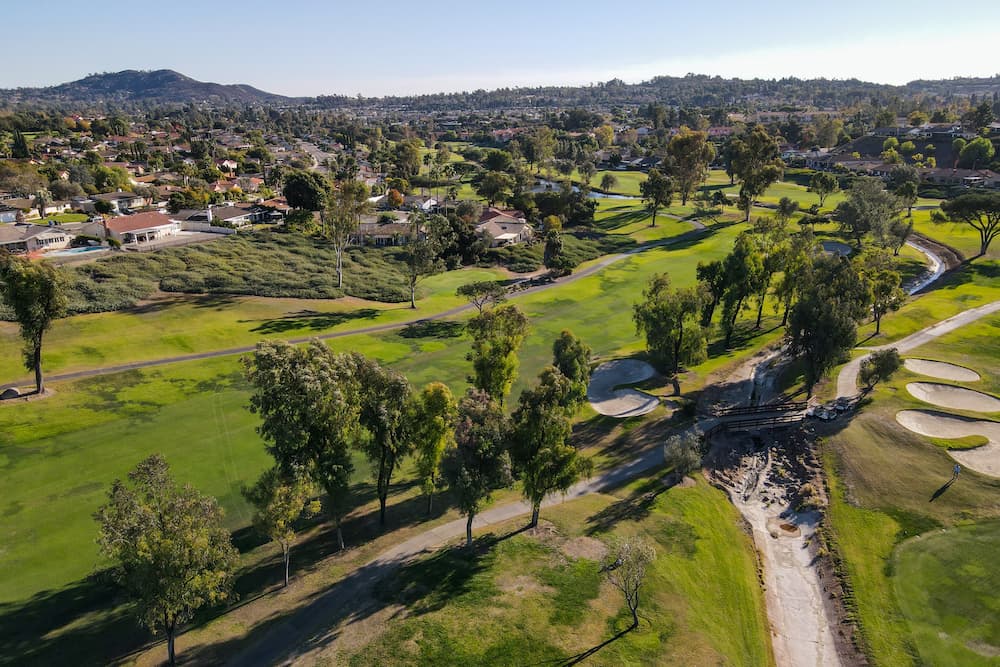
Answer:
(879, 366)
(682, 452)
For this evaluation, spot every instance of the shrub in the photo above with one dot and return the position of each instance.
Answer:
(682, 452)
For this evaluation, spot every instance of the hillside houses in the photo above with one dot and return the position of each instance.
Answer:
(24, 238)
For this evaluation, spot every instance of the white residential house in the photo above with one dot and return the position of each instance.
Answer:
(24, 238)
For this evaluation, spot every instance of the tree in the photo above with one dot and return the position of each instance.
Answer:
(35, 294)
(422, 254)
(798, 259)
(977, 153)
(907, 193)
(917, 118)
(822, 325)
(625, 567)
(899, 232)
(668, 317)
(979, 210)
(346, 206)
(743, 271)
(604, 135)
(712, 276)
(539, 452)
(172, 552)
(280, 500)
(608, 182)
(19, 149)
(306, 190)
(497, 335)
(657, 191)
(479, 463)
(887, 295)
(430, 418)
(572, 357)
(868, 209)
(786, 209)
(553, 257)
(689, 154)
(682, 452)
(823, 184)
(382, 414)
(308, 399)
(42, 200)
(756, 164)
(483, 293)
(878, 366)
(494, 186)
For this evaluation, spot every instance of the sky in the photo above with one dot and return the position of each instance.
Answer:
(298, 47)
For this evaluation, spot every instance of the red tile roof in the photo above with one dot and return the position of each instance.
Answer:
(131, 223)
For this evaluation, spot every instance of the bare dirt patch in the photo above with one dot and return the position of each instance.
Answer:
(941, 370)
(521, 585)
(585, 547)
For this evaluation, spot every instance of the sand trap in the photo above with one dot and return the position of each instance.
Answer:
(837, 248)
(612, 402)
(985, 459)
(956, 398)
(941, 370)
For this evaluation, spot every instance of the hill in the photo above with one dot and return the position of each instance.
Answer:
(161, 86)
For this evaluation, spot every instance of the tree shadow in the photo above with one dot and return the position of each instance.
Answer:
(312, 320)
(636, 507)
(580, 657)
(433, 329)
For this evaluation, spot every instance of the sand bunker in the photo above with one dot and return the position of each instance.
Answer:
(612, 402)
(956, 398)
(941, 370)
(933, 424)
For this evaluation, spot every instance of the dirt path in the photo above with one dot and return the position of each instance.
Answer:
(699, 228)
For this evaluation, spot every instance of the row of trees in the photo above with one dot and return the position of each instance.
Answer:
(822, 298)
(317, 407)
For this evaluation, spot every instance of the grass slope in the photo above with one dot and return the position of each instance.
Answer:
(526, 601)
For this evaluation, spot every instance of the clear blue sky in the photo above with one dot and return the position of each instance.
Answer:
(383, 47)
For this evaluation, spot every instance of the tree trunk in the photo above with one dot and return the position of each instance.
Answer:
(430, 503)
(37, 361)
(653, 223)
(634, 608)
(413, 295)
(340, 267)
(784, 317)
(878, 323)
(287, 553)
(760, 309)
(468, 530)
(536, 507)
(340, 534)
(171, 630)
(677, 349)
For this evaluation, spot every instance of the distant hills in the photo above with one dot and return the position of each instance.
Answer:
(162, 86)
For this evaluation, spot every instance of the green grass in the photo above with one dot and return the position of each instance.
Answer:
(963, 238)
(888, 485)
(95, 422)
(968, 442)
(947, 584)
(526, 601)
(172, 325)
(972, 284)
(61, 218)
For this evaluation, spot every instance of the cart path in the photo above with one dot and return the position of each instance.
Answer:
(320, 622)
(847, 380)
(698, 229)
